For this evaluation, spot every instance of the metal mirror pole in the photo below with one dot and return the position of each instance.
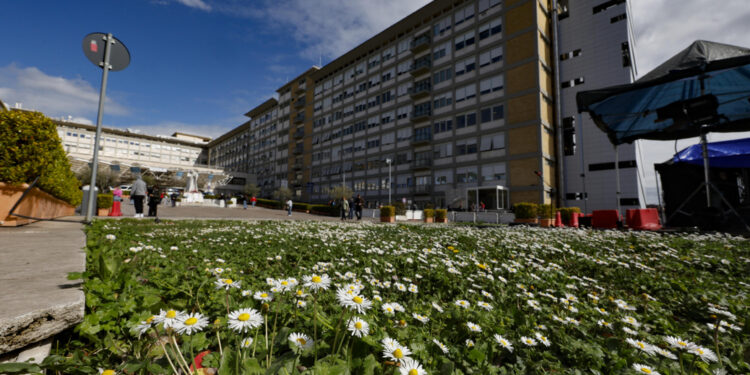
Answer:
(108, 40)
(704, 147)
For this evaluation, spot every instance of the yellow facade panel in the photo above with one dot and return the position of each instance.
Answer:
(543, 22)
(545, 52)
(524, 108)
(523, 140)
(520, 48)
(524, 196)
(519, 18)
(521, 78)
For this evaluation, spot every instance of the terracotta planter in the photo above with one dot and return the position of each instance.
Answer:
(546, 223)
(527, 221)
(443, 220)
(389, 219)
(102, 212)
(428, 219)
(36, 204)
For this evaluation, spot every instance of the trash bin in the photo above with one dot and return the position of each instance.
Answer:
(85, 201)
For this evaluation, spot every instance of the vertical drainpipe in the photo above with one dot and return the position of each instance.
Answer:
(558, 108)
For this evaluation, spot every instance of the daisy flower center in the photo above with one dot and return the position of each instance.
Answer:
(357, 299)
(264, 295)
(505, 343)
(358, 325)
(108, 372)
(284, 283)
(299, 292)
(640, 344)
(413, 372)
(398, 354)
(243, 317)
(681, 343)
(699, 350)
(316, 279)
(389, 309)
(191, 321)
(646, 370)
(228, 281)
(302, 341)
(151, 319)
(171, 314)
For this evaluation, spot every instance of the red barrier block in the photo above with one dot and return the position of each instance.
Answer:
(558, 220)
(115, 209)
(643, 219)
(573, 220)
(605, 219)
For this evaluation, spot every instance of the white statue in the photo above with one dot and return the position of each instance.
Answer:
(192, 182)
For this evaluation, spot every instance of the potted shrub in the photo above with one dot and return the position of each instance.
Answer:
(387, 214)
(546, 214)
(441, 215)
(526, 213)
(429, 215)
(104, 204)
(567, 212)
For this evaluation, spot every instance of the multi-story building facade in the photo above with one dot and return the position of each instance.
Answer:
(457, 95)
(595, 51)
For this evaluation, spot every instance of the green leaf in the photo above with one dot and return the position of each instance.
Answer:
(251, 367)
(476, 356)
(75, 275)
(228, 364)
(19, 368)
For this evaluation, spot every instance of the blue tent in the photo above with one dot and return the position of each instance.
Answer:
(659, 105)
(725, 154)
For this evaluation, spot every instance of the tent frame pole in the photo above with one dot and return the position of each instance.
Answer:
(617, 179)
(706, 178)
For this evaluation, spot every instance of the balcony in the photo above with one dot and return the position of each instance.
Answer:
(422, 189)
(298, 166)
(421, 65)
(300, 118)
(417, 116)
(298, 150)
(300, 133)
(425, 163)
(300, 103)
(300, 89)
(420, 139)
(420, 90)
(420, 43)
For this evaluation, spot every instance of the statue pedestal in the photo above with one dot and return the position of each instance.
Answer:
(193, 198)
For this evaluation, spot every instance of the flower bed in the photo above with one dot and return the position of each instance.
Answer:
(323, 298)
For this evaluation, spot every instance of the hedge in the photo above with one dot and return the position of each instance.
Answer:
(31, 148)
(400, 208)
(268, 203)
(325, 209)
(441, 214)
(387, 211)
(546, 211)
(104, 200)
(429, 213)
(525, 210)
(567, 212)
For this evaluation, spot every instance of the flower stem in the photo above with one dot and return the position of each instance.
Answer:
(315, 326)
(166, 354)
(181, 359)
(273, 334)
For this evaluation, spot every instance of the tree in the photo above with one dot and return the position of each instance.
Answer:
(339, 192)
(282, 195)
(251, 189)
(105, 177)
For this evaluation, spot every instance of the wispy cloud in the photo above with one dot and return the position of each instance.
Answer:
(326, 28)
(55, 96)
(169, 127)
(197, 4)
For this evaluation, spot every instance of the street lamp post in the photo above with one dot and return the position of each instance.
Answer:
(390, 183)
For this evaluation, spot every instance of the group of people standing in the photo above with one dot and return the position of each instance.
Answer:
(141, 192)
(353, 206)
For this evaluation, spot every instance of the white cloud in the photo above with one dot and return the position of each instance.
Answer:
(327, 28)
(197, 4)
(662, 29)
(54, 96)
(169, 127)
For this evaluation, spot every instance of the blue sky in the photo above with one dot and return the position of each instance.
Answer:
(199, 65)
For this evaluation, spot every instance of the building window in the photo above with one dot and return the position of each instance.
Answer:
(618, 18)
(491, 84)
(570, 55)
(625, 54)
(464, 40)
(606, 5)
(494, 27)
(465, 66)
(466, 92)
(493, 142)
(442, 100)
(443, 126)
(490, 57)
(464, 14)
(569, 136)
(466, 120)
(441, 76)
(572, 83)
(491, 114)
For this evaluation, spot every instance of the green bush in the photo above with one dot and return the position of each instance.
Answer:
(301, 206)
(428, 213)
(567, 212)
(546, 211)
(525, 210)
(31, 148)
(104, 200)
(400, 208)
(387, 211)
(209, 196)
(268, 203)
(324, 209)
(441, 214)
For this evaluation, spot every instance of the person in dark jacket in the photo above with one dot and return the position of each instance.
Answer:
(358, 205)
(154, 198)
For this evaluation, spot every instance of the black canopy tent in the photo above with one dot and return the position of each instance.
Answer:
(704, 88)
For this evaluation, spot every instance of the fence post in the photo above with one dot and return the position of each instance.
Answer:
(475, 217)
(497, 218)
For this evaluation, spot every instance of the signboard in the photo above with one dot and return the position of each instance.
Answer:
(93, 48)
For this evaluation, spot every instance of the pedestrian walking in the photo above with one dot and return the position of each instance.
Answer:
(358, 205)
(244, 201)
(289, 205)
(154, 198)
(351, 209)
(344, 208)
(138, 194)
(253, 200)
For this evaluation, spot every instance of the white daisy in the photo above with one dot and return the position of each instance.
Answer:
(705, 354)
(437, 307)
(463, 303)
(421, 318)
(358, 327)
(411, 367)
(542, 339)
(503, 342)
(243, 320)
(169, 318)
(246, 342)
(263, 296)
(643, 369)
(473, 327)
(441, 346)
(528, 341)
(679, 343)
(301, 341)
(317, 282)
(191, 323)
(226, 284)
(641, 345)
(394, 351)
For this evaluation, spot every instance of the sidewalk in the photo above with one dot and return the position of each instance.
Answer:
(38, 299)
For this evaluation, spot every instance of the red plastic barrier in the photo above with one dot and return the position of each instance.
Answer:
(115, 209)
(558, 220)
(573, 220)
(643, 219)
(605, 219)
